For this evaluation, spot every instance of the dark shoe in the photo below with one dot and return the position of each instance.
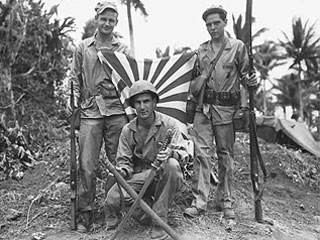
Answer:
(141, 217)
(192, 212)
(81, 228)
(228, 212)
(218, 206)
(112, 217)
(84, 221)
(112, 222)
(158, 233)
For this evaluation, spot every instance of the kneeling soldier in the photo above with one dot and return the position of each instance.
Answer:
(139, 147)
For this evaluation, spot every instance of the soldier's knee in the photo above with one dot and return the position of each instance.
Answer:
(172, 164)
(113, 198)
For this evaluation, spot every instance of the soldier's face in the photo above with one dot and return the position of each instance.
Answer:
(144, 104)
(215, 26)
(107, 20)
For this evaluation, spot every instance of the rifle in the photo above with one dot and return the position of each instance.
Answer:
(73, 164)
(255, 156)
(156, 166)
(145, 207)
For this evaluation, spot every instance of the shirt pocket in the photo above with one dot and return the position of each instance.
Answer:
(228, 69)
(88, 103)
(107, 89)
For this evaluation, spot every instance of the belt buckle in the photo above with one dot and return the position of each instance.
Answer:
(214, 97)
(224, 96)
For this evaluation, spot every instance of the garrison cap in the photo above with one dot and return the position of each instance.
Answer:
(214, 9)
(101, 6)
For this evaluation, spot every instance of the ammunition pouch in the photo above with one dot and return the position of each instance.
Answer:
(107, 89)
(197, 84)
(191, 108)
(241, 119)
(221, 98)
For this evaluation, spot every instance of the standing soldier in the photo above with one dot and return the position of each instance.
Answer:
(102, 114)
(217, 90)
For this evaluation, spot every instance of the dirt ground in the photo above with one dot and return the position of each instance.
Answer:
(38, 207)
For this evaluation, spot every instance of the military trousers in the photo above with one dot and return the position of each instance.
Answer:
(161, 191)
(209, 138)
(93, 132)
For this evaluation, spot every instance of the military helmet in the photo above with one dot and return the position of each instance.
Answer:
(141, 86)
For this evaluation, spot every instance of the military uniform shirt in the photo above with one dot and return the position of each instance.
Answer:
(89, 77)
(229, 72)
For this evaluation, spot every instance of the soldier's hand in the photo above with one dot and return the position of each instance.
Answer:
(252, 80)
(163, 155)
(190, 128)
(75, 102)
(122, 172)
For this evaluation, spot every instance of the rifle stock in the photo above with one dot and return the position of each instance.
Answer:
(73, 165)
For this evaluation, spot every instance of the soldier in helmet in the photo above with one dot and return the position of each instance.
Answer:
(139, 146)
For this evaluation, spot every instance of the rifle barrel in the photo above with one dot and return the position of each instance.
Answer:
(73, 165)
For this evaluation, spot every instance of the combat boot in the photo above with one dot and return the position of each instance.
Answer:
(84, 221)
(228, 212)
(112, 219)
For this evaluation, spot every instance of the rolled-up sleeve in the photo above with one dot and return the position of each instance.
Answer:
(178, 145)
(243, 63)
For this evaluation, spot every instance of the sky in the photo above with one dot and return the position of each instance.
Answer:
(178, 23)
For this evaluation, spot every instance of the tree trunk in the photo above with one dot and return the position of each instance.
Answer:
(264, 97)
(132, 50)
(318, 129)
(300, 94)
(7, 71)
(8, 77)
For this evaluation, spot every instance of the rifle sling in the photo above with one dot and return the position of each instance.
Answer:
(213, 65)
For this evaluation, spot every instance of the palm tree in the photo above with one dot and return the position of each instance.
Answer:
(267, 56)
(302, 48)
(242, 32)
(288, 93)
(137, 4)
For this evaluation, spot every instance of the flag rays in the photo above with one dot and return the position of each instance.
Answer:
(171, 77)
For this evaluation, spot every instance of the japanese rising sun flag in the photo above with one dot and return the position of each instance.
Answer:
(171, 77)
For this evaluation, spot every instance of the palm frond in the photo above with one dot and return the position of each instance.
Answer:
(138, 5)
(259, 32)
